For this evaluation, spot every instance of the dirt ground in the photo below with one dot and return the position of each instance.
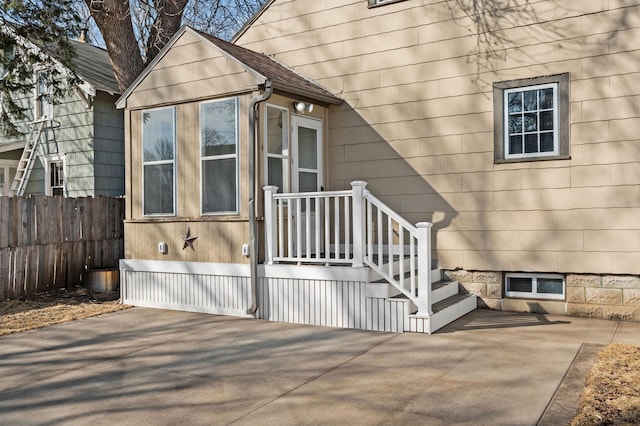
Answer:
(611, 395)
(56, 307)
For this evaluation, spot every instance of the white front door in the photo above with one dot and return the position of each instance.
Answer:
(306, 171)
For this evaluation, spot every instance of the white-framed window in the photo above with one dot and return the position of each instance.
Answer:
(277, 155)
(531, 119)
(535, 286)
(219, 155)
(55, 172)
(158, 161)
(43, 102)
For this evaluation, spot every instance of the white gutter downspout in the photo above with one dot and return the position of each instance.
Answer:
(253, 244)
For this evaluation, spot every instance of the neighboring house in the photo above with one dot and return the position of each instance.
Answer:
(81, 146)
(508, 137)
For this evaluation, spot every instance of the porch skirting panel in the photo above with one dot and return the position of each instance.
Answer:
(303, 294)
(222, 289)
(313, 295)
(387, 314)
(313, 302)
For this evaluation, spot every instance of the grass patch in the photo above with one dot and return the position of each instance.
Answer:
(612, 392)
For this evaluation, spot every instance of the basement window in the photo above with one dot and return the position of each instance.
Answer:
(535, 286)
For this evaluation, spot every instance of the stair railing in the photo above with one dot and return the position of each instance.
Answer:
(350, 227)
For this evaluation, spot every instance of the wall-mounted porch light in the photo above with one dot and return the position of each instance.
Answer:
(302, 107)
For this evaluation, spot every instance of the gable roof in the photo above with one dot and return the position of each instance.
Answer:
(263, 67)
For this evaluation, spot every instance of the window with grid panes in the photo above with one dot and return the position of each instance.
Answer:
(531, 119)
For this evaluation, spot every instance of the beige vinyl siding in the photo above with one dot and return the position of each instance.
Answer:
(220, 237)
(417, 123)
(191, 69)
(218, 241)
(173, 82)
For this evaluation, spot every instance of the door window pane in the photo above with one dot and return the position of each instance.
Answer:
(307, 148)
(308, 182)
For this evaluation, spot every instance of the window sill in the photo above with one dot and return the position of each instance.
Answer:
(173, 219)
(538, 298)
(530, 159)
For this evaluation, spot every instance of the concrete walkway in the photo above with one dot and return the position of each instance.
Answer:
(144, 366)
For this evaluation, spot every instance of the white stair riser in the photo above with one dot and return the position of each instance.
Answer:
(381, 290)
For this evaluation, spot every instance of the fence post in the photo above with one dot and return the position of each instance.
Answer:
(424, 269)
(357, 189)
(270, 222)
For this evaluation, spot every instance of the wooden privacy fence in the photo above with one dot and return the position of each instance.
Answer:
(46, 243)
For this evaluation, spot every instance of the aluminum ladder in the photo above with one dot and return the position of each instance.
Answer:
(28, 158)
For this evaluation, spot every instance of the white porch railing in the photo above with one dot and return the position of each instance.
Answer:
(350, 227)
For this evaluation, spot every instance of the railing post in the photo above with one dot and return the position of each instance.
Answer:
(424, 269)
(357, 189)
(270, 222)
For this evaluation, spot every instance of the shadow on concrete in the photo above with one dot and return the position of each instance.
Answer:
(488, 319)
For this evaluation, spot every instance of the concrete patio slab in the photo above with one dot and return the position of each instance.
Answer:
(145, 366)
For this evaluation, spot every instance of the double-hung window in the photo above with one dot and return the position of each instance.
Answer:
(531, 119)
(158, 145)
(219, 153)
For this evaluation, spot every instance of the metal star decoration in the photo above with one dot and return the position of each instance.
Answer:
(188, 239)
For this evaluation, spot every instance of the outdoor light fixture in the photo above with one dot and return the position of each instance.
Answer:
(302, 107)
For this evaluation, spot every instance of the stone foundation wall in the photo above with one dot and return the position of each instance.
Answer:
(612, 297)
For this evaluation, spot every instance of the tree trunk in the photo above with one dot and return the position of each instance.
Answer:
(166, 24)
(114, 21)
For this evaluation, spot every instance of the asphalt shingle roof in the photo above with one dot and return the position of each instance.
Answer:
(93, 65)
(270, 68)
